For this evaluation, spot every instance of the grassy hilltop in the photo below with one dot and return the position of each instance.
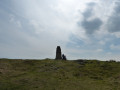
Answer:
(59, 75)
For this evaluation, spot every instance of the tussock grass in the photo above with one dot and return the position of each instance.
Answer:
(59, 75)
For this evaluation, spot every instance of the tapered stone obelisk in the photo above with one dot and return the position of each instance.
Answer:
(58, 53)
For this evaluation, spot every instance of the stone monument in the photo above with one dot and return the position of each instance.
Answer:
(58, 53)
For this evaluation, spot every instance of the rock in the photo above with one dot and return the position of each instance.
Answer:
(58, 53)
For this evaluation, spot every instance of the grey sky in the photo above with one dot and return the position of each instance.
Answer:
(84, 29)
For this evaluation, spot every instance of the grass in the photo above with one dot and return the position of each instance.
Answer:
(59, 75)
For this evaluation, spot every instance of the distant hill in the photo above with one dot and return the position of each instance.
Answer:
(59, 75)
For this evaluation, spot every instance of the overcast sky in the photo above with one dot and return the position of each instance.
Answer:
(88, 29)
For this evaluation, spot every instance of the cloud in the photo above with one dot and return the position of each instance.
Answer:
(115, 47)
(89, 23)
(16, 22)
(92, 25)
(113, 23)
(89, 11)
(99, 50)
(102, 42)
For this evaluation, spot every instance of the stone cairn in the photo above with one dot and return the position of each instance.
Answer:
(58, 53)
